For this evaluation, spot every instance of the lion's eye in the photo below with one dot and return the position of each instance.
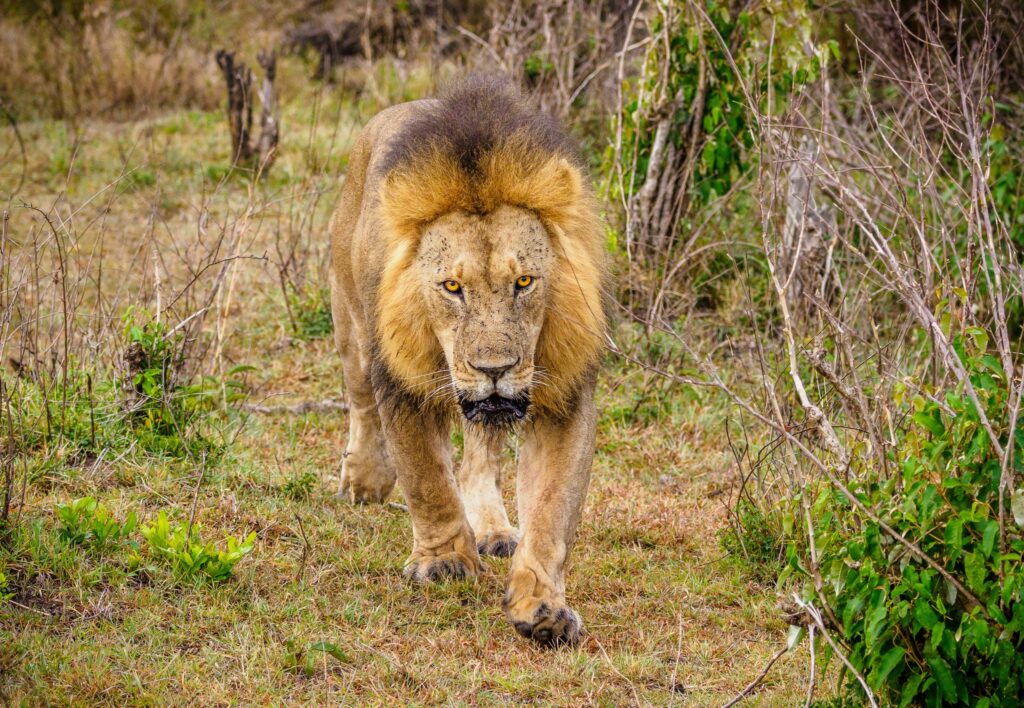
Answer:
(524, 281)
(452, 286)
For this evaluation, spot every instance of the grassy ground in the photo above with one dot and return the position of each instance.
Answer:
(671, 617)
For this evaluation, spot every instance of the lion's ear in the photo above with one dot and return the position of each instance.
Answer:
(556, 190)
(565, 182)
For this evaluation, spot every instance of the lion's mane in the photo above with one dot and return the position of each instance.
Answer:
(481, 145)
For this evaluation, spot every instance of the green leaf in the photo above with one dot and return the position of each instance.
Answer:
(796, 633)
(943, 677)
(1017, 506)
(930, 422)
(924, 614)
(955, 535)
(980, 338)
(874, 622)
(910, 689)
(330, 648)
(988, 540)
(974, 565)
(890, 661)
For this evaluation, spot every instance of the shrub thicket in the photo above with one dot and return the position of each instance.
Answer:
(884, 205)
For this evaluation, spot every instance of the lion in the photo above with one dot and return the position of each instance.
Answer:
(467, 273)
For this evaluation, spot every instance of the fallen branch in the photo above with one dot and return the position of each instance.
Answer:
(756, 682)
(328, 404)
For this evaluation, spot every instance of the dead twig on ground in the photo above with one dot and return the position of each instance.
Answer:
(748, 689)
(326, 405)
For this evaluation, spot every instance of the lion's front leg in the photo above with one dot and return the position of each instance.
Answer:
(443, 542)
(554, 472)
(480, 486)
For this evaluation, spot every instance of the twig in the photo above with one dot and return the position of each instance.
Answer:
(636, 696)
(754, 684)
(328, 404)
(816, 617)
(30, 609)
(305, 550)
(810, 676)
(195, 499)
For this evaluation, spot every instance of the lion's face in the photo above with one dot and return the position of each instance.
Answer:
(485, 281)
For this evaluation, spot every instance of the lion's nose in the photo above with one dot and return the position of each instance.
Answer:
(493, 369)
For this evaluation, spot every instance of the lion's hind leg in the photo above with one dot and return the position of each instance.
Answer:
(479, 479)
(367, 474)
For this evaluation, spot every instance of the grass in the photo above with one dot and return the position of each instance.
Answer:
(319, 611)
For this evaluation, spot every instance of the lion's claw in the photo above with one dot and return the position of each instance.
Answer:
(499, 544)
(432, 569)
(552, 626)
(365, 483)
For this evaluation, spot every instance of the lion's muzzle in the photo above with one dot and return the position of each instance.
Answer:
(495, 410)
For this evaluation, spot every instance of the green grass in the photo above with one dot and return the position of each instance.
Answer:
(649, 580)
(318, 611)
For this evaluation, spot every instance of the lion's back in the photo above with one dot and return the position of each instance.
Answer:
(357, 252)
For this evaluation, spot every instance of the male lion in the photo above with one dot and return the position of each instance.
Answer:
(467, 261)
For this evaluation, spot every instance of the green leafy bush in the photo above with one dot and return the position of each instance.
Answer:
(148, 404)
(189, 556)
(917, 637)
(86, 522)
(699, 74)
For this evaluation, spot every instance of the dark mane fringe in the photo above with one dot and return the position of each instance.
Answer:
(474, 117)
(395, 400)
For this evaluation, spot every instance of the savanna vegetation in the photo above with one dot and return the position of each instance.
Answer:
(806, 489)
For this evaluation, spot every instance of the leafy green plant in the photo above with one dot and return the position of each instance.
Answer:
(918, 635)
(5, 593)
(535, 66)
(694, 71)
(301, 486)
(301, 657)
(165, 408)
(753, 537)
(189, 556)
(311, 314)
(87, 522)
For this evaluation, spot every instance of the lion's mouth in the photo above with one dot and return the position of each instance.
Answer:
(495, 409)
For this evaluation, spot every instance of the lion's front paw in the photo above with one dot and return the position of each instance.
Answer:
(501, 544)
(537, 612)
(434, 568)
(365, 481)
(549, 623)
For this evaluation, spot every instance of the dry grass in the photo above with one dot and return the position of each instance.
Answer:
(671, 618)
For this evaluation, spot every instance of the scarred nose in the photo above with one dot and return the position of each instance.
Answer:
(492, 369)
